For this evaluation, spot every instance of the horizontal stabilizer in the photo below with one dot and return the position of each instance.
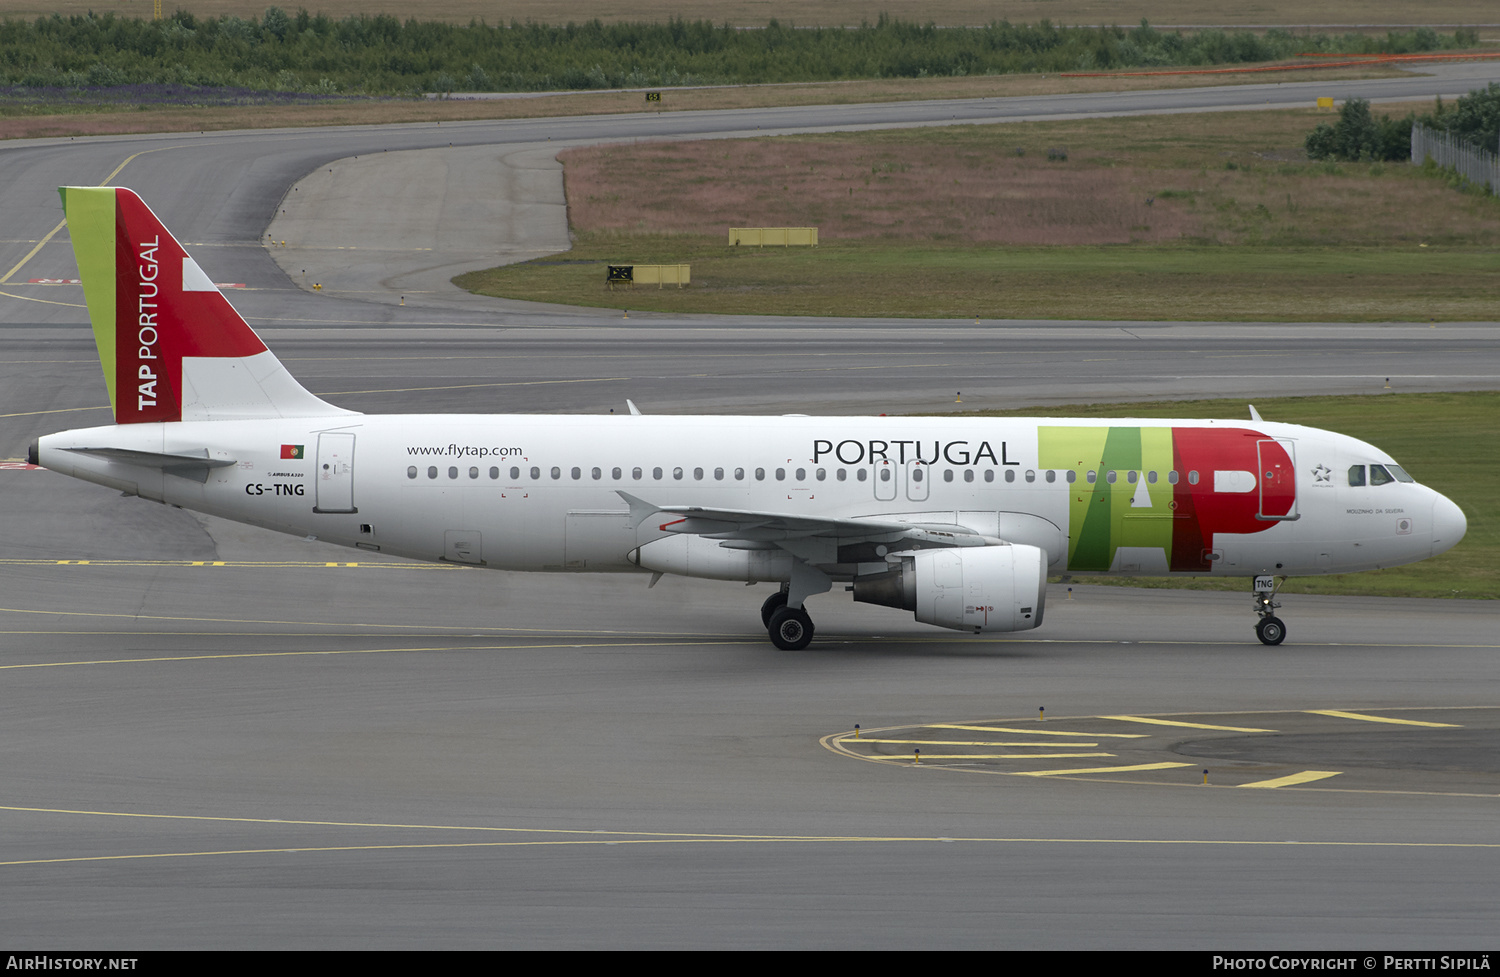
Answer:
(193, 466)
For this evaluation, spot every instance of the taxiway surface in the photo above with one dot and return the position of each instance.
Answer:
(215, 737)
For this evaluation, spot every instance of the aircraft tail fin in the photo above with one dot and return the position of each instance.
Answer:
(171, 345)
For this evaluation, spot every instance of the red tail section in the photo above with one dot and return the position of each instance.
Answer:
(172, 347)
(166, 309)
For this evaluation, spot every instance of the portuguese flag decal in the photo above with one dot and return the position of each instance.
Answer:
(291, 451)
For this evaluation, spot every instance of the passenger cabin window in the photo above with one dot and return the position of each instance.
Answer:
(635, 473)
(515, 472)
(1010, 474)
(473, 472)
(861, 474)
(411, 472)
(494, 472)
(452, 471)
(432, 471)
(989, 474)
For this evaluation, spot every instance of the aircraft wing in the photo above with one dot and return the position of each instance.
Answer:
(775, 528)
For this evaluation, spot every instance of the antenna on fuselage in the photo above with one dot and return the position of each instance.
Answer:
(634, 410)
(1255, 414)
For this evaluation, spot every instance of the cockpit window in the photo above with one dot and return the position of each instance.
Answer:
(1400, 473)
(1379, 476)
(1356, 475)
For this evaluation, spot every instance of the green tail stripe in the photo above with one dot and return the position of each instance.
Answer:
(91, 224)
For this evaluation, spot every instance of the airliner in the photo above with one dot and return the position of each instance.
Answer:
(959, 520)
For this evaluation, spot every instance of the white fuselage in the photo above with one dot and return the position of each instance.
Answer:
(541, 492)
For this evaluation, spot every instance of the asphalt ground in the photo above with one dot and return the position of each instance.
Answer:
(216, 737)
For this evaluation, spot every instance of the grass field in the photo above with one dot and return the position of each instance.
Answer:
(824, 13)
(1184, 217)
(1444, 441)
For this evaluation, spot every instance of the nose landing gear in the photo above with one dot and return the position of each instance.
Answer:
(1269, 629)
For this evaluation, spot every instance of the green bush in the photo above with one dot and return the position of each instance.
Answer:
(1475, 117)
(1359, 135)
(380, 54)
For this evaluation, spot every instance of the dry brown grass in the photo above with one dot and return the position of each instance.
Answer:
(827, 13)
(850, 189)
(384, 112)
(1238, 178)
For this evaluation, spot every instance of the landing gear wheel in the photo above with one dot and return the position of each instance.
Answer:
(791, 629)
(1270, 630)
(773, 604)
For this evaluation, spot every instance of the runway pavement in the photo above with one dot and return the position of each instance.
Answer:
(217, 737)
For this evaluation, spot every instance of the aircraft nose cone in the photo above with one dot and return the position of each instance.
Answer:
(1448, 524)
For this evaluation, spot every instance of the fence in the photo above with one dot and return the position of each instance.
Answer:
(1478, 166)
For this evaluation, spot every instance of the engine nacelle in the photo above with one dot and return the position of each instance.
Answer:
(973, 588)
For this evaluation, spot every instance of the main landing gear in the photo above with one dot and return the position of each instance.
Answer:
(1269, 628)
(790, 627)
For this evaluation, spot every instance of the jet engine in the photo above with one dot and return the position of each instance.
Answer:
(979, 588)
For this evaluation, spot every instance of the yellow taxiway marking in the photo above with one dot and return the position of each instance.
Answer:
(1034, 732)
(1176, 722)
(59, 410)
(279, 564)
(542, 837)
(1000, 756)
(1305, 777)
(1036, 746)
(1083, 770)
(470, 386)
(64, 223)
(484, 630)
(1366, 717)
(29, 298)
(553, 645)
